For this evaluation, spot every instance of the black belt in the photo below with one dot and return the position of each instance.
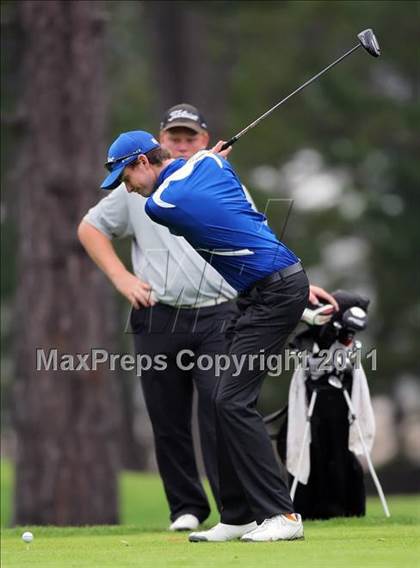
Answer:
(279, 275)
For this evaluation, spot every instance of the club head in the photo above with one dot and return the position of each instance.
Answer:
(354, 319)
(369, 42)
(335, 382)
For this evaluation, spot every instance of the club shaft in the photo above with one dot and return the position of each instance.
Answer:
(366, 452)
(272, 109)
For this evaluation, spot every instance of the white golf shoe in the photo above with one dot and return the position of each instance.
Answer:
(222, 533)
(276, 528)
(185, 523)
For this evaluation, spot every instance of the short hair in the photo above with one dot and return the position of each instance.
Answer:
(158, 155)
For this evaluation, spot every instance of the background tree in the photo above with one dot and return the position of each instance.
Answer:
(66, 422)
(193, 47)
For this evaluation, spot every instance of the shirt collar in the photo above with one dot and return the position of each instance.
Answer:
(169, 170)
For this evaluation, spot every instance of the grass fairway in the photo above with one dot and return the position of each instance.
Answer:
(141, 540)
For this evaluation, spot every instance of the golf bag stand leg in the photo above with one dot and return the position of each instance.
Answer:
(305, 437)
(369, 461)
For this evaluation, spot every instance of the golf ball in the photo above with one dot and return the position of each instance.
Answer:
(27, 536)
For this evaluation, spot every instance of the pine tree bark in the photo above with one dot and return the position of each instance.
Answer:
(193, 45)
(67, 422)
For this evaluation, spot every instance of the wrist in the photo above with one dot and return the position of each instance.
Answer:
(116, 273)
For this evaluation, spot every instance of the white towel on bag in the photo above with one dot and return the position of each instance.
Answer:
(297, 419)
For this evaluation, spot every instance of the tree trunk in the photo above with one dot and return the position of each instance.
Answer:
(193, 45)
(67, 422)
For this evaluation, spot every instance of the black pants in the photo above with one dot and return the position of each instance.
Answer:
(251, 487)
(169, 393)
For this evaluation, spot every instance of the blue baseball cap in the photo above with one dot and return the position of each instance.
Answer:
(124, 150)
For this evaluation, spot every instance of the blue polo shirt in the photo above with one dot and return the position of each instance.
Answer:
(203, 201)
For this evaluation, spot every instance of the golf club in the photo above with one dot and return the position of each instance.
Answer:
(337, 383)
(366, 39)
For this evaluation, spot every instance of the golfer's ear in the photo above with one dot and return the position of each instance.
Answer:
(206, 138)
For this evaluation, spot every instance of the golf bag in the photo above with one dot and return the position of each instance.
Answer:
(331, 478)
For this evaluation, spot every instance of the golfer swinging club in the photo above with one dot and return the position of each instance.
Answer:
(202, 200)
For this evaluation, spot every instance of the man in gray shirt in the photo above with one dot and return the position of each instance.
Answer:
(180, 303)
